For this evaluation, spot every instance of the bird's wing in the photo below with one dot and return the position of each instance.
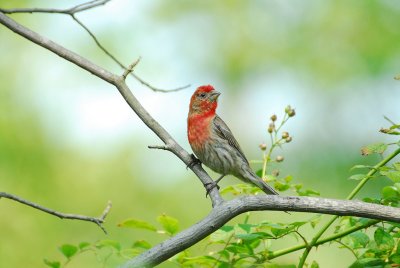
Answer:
(224, 132)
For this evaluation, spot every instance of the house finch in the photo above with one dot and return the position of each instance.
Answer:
(213, 142)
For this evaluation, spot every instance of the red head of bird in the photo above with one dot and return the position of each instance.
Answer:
(204, 101)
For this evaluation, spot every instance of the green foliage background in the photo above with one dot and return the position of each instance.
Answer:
(334, 59)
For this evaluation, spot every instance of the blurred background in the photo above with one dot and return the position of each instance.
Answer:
(69, 141)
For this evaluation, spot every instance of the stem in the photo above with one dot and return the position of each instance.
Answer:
(279, 253)
(274, 143)
(347, 247)
(351, 195)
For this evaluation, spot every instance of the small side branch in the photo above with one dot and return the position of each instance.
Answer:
(160, 147)
(130, 68)
(99, 221)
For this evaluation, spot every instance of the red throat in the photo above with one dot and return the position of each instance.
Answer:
(199, 128)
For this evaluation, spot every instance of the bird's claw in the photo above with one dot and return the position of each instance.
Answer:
(209, 186)
(194, 162)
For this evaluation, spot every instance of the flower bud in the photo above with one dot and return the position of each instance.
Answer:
(275, 172)
(292, 113)
(271, 127)
(279, 158)
(263, 146)
(273, 117)
(288, 139)
(285, 134)
(287, 109)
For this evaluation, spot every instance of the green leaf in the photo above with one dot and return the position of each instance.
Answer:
(288, 179)
(390, 192)
(395, 258)
(229, 189)
(226, 228)
(357, 240)
(270, 178)
(68, 250)
(137, 224)
(360, 167)
(281, 186)
(397, 166)
(377, 148)
(308, 192)
(246, 227)
(129, 253)
(108, 243)
(248, 236)
(383, 239)
(314, 264)
(357, 177)
(200, 261)
(297, 186)
(54, 264)
(393, 175)
(170, 224)
(368, 263)
(297, 224)
(83, 245)
(141, 244)
(220, 236)
(315, 220)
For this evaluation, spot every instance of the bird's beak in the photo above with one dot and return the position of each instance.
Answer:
(214, 95)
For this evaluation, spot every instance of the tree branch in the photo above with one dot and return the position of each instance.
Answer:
(99, 221)
(230, 209)
(123, 88)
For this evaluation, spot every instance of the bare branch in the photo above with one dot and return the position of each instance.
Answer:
(230, 209)
(70, 11)
(99, 221)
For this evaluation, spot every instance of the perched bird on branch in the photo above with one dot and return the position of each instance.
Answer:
(213, 143)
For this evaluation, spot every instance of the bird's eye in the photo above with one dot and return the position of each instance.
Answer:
(202, 95)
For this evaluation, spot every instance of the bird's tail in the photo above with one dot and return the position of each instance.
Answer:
(254, 179)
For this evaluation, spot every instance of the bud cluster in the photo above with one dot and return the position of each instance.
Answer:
(289, 111)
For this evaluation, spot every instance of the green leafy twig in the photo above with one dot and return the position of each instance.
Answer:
(314, 240)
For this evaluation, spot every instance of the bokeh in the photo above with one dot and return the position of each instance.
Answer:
(70, 142)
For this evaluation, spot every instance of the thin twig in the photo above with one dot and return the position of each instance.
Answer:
(121, 65)
(85, 6)
(161, 147)
(130, 68)
(99, 221)
(70, 11)
(391, 122)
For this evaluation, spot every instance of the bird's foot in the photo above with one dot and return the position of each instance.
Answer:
(209, 186)
(194, 161)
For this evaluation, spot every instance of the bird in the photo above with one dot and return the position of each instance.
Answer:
(213, 142)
